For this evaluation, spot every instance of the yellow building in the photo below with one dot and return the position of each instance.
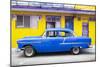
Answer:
(33, 18)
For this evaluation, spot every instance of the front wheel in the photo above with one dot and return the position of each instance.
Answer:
(75, 50)
(28, 51)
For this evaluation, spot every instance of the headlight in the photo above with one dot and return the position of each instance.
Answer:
(90, 46)
(18, 50)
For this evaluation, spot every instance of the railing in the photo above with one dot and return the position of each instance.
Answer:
(42, 4)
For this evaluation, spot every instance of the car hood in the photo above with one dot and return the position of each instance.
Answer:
(30, 38)
(33, 37)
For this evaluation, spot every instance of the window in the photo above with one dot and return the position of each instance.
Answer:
(64, 34)
(68, 34)
(53, 21)
(92, 19)
(53, 18)
(48, 19)
(34, 21)
(19, 21)
(23, 21)
(51, 34)
(27, 21)
(59, 34)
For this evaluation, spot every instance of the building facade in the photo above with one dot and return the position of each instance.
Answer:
(33, 18)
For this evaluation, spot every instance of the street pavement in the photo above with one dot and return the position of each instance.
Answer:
(17, 58)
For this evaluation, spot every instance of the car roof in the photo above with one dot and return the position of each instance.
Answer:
(59, 29)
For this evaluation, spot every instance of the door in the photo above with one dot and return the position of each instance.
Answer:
(69, 22)
(50, 24)
(51, 43)
(85, 29)
(53, 22)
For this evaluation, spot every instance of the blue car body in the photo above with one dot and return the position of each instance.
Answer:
(44, 44)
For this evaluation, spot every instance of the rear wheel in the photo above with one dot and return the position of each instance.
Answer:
(28, 51)
(75, 50)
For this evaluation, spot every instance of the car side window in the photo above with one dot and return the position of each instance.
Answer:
(61, 34)
(68, 34)
(58, 34)
(51, 34)
(64, 34)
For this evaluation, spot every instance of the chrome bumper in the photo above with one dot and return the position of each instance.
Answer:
(18, 50)
(91, 46)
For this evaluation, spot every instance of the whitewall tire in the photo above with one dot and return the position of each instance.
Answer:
(28, 51)
(75, 50)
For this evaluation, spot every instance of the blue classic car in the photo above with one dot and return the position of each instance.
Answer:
(53, 40)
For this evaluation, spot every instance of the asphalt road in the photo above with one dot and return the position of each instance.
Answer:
(85, 55)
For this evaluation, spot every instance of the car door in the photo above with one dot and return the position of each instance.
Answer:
(52, 43)
(68, 41)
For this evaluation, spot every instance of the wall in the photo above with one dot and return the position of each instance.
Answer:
(92, 30)
(85, 7)
(18, 33)
(78, 26)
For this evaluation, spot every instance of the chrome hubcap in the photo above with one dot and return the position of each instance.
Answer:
(29, 51)
(75, 50)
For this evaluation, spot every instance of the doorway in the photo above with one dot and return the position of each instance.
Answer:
(69, 22)
(53, 22)
(85, 29)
